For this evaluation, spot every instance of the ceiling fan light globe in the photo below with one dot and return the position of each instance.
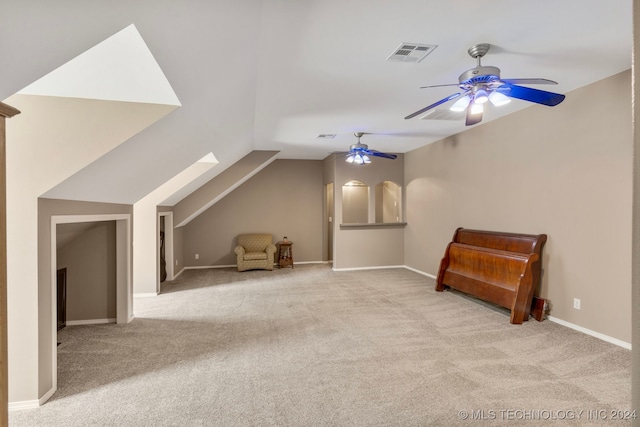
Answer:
(354, 158)
(461, 104)
(498, 99)
(476, 108)
(366, 159)
(480, 97)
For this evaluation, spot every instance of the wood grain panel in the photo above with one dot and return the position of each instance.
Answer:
(5, 112)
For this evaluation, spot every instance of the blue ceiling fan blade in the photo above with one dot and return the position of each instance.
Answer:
(533, 95)
(383, 155)
(427, 108)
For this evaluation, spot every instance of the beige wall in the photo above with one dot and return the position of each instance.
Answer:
(208, 194)
(635, 363)
(48, 145)
(372, 246)
(90, 260)
(178, 249)
(564, 171)
(284, 199)
(146, 277)
(328, 214)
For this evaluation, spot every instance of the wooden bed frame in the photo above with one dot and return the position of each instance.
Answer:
(501, 268)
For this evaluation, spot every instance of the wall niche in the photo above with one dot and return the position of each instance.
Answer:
(355, 202)
(388, 202)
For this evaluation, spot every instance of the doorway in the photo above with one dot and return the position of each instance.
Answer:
(329, 220)
(163, 258)
(124, 281)
(61, 311)
(165, 248)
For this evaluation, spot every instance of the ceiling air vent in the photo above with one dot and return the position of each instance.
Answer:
(326, 136)
(411, 52)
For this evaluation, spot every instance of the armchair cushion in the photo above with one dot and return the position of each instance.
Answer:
(255, 255)
(255, 251)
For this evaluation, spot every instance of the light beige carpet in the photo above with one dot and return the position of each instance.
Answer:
(313, 347)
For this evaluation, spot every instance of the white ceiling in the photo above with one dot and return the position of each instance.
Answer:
(273, 74)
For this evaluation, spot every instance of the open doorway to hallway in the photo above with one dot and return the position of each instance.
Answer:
(117, 304)
(165, 254)
(86, 253)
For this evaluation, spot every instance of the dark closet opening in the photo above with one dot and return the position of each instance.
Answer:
(62, 298)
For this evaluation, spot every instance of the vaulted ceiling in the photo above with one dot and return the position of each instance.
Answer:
(274, 74)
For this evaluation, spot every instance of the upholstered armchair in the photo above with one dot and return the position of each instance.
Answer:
(255, 251)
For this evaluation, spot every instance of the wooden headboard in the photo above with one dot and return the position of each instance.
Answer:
(512, 242)
(502, 268)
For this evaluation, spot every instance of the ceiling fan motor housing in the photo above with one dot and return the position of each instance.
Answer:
(479, 75)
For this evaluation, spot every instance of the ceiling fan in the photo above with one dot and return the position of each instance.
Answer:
(483, 83)
(359, 153)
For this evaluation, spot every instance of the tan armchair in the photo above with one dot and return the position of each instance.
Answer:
(255, 251)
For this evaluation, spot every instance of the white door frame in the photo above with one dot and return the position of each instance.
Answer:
(124, 281)
(168, 246)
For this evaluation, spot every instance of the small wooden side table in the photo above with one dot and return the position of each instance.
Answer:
(285, 254)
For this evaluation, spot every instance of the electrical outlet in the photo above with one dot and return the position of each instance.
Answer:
(176, 262)
(197, 256)
(576, 303)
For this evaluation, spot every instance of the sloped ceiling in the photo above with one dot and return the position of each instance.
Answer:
(273, 74)
(121, 68)
(195, 48)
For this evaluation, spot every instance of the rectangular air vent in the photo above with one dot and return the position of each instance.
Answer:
(326, 136)
(411, 52)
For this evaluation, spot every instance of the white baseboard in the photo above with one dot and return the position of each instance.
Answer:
(311, 262)
(145, 294)
(204, 267)
(415, 270)
(595, 334)
(31, 404)
(90, 322)
(25, 404)
(46, 396)
(377, 267)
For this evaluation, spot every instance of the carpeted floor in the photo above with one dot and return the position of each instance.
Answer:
(314, 347)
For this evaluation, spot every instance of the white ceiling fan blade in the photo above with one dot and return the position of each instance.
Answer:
(450, 84)
(529, 81)
(435, 104)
